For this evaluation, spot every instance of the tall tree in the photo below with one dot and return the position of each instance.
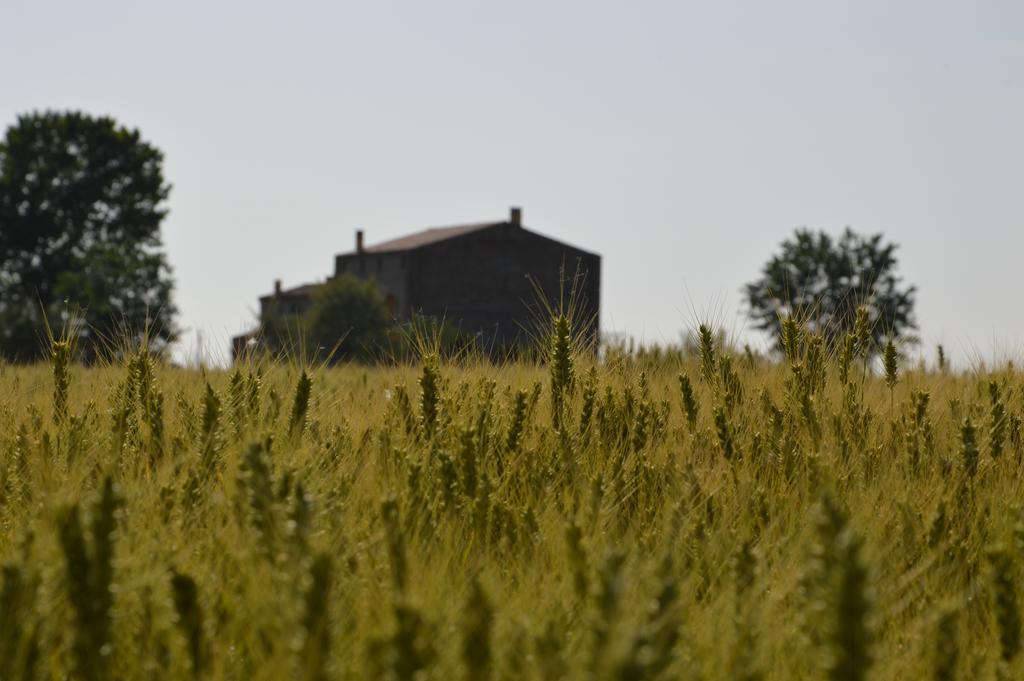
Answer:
(821, 281)
(81, 203)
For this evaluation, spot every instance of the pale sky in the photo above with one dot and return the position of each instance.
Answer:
(680, 140)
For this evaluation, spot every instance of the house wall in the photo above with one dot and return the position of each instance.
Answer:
(286, 304)
(389, 270)
(481, 281)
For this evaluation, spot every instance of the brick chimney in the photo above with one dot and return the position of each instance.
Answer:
(277, 287)
(359, 241)
(516, 216)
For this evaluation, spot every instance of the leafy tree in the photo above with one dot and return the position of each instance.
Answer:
(821, 282)
(349, 316)
(80, 213)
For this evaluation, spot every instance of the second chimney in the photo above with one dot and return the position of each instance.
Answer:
(359, 241)
(516, 216)
(277, 287)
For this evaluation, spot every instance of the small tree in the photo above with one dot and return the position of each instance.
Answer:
(80, 212)
(349, 316)
(821, 282)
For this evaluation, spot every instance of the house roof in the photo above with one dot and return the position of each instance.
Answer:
(428, 236)
(434, 235)
(303, 290)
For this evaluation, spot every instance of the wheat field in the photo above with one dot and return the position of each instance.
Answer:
(718, 515)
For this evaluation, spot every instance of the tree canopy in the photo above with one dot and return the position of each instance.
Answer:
(81, 204)
(821, 281)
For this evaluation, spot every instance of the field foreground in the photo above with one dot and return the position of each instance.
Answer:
(706, 518)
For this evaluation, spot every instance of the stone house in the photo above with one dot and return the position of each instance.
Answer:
(481, 278)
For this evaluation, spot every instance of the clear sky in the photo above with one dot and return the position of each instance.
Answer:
(681, 140)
